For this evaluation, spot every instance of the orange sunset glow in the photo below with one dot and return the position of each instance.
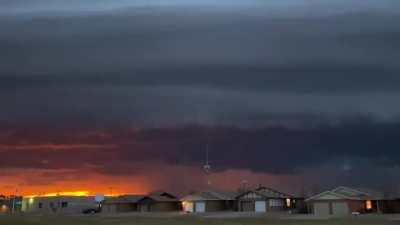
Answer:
(89, 184)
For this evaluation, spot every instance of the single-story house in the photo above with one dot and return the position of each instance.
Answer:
(345, 200)
(159, 202)
(153, 202)
(4, 204)
(58, 204)
(121, 204)
(208, 201)
(10, 203)
(265, 199)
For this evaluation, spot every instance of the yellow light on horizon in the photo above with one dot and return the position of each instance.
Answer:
(68, 193)
(65, 193)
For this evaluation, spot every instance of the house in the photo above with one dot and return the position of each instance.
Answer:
(58, 204)
(159, 202)
(121, 204)
(208, 201)
(345, 200)
(265, 199)
(10, 204)
(153, 202)
(4, 204)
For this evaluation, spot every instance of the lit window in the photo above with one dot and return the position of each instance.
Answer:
(368, 204)
(3, 208)
(288, 202)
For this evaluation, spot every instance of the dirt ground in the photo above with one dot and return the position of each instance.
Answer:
(209, 219)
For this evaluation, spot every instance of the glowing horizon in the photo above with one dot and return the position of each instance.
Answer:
(66, 193)
(74, 194)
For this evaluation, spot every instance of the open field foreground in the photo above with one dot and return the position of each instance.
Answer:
(209, 219)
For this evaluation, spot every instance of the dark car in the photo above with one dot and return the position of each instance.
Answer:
(91, 211)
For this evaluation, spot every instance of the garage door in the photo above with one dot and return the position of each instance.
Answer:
(188, 207)
(321, 208)
(340, 208)
(260, 206)
(200, 207)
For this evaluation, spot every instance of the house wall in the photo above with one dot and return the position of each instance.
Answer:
(390, 206)
(126, 207)
(246, 204)
(148, 205)
(109, 208)
(353, 205)
(356, 206)
(216, 205)
(299, 206)
(164, 206)
(385, 206)
(58, 204)
(213, 206)
(119, 207)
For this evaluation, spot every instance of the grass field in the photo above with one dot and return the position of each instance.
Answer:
(193, 220)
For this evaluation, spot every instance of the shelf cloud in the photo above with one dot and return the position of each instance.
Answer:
(125, 88)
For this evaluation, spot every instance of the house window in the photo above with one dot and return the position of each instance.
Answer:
(368, 205)
(40, 205)
(288, 202)
(64, 204)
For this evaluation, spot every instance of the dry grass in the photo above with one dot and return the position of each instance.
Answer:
(192, 220)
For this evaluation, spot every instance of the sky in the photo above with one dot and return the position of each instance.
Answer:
(125, 96)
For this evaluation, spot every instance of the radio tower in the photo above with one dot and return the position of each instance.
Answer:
(207, 167)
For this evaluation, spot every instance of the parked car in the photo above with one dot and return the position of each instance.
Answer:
(91, 211)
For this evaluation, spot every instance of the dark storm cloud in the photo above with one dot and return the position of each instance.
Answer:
(342, 145)
(228, 65)
(217, 48)
(311, 85)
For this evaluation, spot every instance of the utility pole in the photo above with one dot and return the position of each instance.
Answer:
(13, 201)
(207, 167)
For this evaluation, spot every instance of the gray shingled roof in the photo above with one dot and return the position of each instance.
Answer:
(124, 199)
(156, 196)
(161, 198)
(208, 195)
(359, 193)
(352, 193)
(271, 193)
(266, 192)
